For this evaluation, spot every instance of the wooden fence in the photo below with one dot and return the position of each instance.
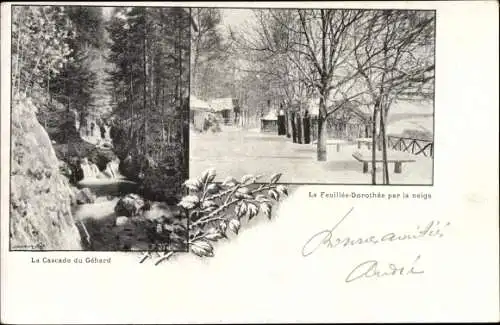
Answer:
(413, 146)
(347, 131)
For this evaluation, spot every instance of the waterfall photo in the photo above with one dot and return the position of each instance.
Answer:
(331, 96)
(99, 128)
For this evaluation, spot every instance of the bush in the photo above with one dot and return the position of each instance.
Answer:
(214, 210)
(212, 123)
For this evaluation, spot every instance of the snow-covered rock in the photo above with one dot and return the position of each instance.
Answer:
(85, 196)
(121, 221)
(40, 198)
(129, 205)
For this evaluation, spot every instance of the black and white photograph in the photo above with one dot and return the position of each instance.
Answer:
(326, 96)
(249, 162)
(99, 132)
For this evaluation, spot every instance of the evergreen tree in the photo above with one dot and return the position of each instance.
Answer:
(150, 52)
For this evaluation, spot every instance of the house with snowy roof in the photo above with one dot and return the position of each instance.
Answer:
(227, 108)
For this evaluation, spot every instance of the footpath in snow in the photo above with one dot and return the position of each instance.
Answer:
(236, 152)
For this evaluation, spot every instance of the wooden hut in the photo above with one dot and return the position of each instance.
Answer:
(226, 108)
(199, 111)
(269, 123)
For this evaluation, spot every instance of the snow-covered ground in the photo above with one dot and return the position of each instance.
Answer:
(422, 124)
(236, 152)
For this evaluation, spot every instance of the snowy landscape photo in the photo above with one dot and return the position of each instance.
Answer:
(99, 102)
(326, 96)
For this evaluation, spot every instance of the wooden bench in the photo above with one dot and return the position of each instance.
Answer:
(398, 158)
(334, 142)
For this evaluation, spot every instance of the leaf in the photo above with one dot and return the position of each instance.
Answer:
(282, 189)
(239, 195)
(234, 225)
(230, 181)
(208, 175)
(266, 209)
(189, 202)
(275, 178)
(202, 248)
(212, 188)
(252, 210)
(262, 198)
(208, 203)
(246, 178)
(223, 226)
(243, 193)
(243, 209)
(194, 215)
(213, 234)
(243, 190)
(274, 194)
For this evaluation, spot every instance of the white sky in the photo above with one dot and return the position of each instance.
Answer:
(106, 11)
(236, 18)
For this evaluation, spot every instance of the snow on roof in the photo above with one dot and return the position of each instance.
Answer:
(271, 116)
(198, 104)
(221, 104)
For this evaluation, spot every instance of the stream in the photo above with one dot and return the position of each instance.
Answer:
(97, 221)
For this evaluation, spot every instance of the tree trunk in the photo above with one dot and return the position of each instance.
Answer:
(131, 99)
(321, 148)
(384, 146)
(48, 87)
(374, 139)
(322, 127)
(294, 130)
(299, 128)
(287, 121)
(307, 129)
(146, 79)
(19, 56)
(162, 121)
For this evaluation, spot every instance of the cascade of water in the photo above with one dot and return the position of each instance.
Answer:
(94, 170)
(87, 171)
(107, 135)
(90, 170)
(112, 169)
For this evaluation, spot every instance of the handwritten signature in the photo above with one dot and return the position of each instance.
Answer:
(325, 237)
(373, 269)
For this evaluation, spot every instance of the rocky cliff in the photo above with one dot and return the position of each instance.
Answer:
(40, 199)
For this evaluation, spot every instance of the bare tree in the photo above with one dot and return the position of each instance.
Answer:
(395, 60)
(316, 44)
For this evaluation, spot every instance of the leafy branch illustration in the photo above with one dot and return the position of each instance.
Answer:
(215, 209)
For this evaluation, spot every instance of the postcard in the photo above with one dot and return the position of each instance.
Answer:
(249, 162)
